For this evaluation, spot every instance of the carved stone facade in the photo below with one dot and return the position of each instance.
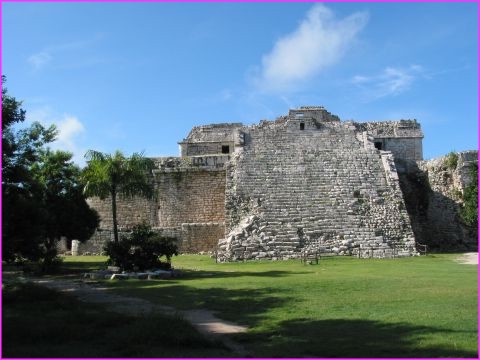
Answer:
(303, 182)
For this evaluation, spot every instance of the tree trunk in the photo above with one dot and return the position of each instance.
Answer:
(114, 215)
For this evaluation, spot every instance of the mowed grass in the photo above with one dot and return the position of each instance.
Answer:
(39, 322)
(342, 307)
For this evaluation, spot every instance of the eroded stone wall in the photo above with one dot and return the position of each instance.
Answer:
(403, 138)
(433, 192)
(207, 148)
(404, 148)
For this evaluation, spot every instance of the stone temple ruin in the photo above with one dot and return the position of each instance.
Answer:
(305, 181)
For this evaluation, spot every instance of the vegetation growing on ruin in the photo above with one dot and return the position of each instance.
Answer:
(451, 160)
(469, 211)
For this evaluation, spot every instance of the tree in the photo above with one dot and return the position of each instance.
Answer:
(68, 214)
(22, 212)
(40, 190)
(108, 175)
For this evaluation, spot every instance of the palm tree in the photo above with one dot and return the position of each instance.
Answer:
(109, 175)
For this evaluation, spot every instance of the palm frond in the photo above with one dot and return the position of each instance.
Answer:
(95, 155)
(129, 176)
(95, 179)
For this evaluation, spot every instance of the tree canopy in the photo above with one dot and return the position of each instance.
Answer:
(41, 190)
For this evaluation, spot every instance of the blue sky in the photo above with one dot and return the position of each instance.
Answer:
(138, 76)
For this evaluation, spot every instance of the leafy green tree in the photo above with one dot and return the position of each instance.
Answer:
(68, 213)
(23, 215)
(109, 175)
(40, 189)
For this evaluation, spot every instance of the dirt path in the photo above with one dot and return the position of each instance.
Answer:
(203, 320)
(468, 258)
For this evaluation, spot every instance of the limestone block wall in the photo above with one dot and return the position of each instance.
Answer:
(404, 148)
(292, 189)
(130, 211)
(190, 197)
(403, 138)
(210, 139)
(95, 245)
(207, 148)
(215, 161)
(201, 237)
(189, 205)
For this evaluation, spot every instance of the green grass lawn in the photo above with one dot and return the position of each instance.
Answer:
(342, 307)
(39, 322)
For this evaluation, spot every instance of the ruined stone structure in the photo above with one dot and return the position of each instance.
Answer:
(303, 182)
(433, 192)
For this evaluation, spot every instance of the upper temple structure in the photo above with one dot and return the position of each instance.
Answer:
(303, 182)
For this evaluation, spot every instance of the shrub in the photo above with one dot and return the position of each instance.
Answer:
(451, 160)
(141, 250)
(469, 212)
(50, 264)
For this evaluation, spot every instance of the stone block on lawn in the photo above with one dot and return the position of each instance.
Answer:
(119, 277)
(159, 274)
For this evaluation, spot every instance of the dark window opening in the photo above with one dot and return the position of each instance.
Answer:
(379, 145)
(302, 126)
(225, 149)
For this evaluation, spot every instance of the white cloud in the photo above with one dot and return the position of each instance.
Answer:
(40, 59)
(70, 54)
(319, 41)
(70, 131)
(390, 82)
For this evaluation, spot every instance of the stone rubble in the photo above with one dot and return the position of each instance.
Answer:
(115, 274)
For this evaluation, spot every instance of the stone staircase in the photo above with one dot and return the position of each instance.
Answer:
(314, 188)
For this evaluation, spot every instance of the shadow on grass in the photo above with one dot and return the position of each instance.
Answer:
(81, 266)
(74, 267)
(195, 274)
(40, 322)
(242, 306)
(356, 338)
